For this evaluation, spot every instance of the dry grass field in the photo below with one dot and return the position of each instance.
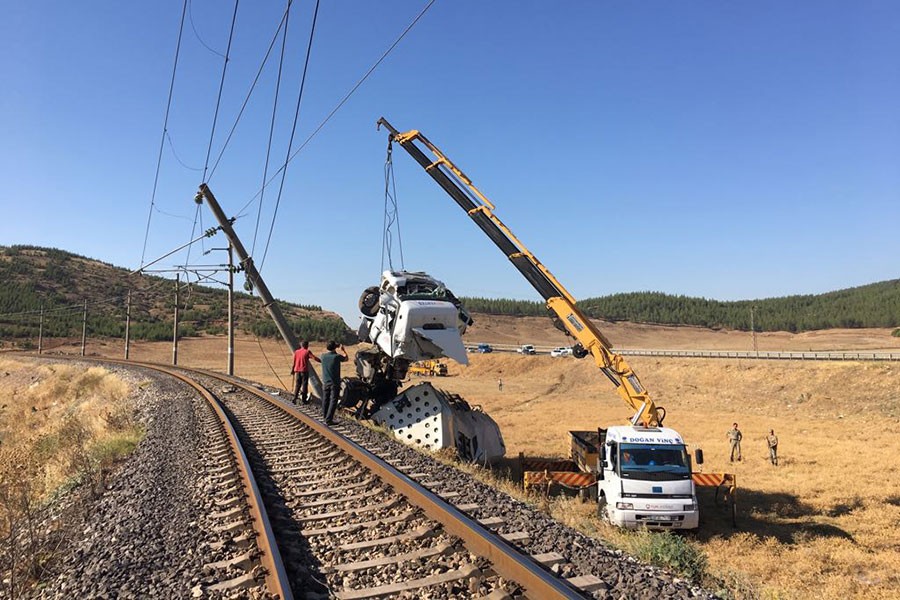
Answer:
(47, 410)
(59, 424)
(823, 524)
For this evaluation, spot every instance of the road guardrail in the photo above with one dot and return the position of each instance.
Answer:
(761, 355)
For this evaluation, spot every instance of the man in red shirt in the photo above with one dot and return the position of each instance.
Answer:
(300, 371)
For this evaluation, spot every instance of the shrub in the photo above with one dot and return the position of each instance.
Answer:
(669, 551)
(896, 332)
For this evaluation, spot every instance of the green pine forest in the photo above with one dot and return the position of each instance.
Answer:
(60, 281)
(873, 305)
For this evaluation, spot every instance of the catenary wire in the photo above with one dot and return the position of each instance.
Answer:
(271, 134)
(175, 154)
(252, 88)
(343, 100)
(287, 158)
(162, 140)
(212, 133)
(196, 33)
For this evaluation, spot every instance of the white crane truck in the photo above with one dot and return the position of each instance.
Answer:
(643, 469)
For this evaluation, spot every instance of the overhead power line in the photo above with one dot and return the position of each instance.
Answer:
(312, 31)
(259, 71)
(343, 101)
(197, 34)
(271, 135)
(162, 140)
(212, 133)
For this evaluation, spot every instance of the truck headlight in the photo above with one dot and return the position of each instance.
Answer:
(624, 505)
(690, 507)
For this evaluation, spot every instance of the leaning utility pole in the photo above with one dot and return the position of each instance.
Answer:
(255, 279)
(175, 326)
(84, 328)
(41, 331)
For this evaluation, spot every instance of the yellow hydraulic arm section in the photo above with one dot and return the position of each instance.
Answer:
(559, 300)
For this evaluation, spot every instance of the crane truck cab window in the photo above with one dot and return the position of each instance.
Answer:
(654, 462)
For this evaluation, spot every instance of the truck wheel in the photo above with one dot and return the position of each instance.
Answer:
(368, 302)
(578, 351)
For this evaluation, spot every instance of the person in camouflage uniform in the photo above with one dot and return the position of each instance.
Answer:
(735, 436)
(772, 441)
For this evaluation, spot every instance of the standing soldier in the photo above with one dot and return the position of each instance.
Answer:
(331, 380)
(735, 436)
(772, 441)
(300, 371)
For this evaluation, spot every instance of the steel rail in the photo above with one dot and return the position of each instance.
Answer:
(276, 579)
(505, 559)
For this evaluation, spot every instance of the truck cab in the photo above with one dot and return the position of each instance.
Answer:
(644, 479)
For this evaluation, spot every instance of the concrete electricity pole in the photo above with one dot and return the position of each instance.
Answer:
(84, 328)
(175, 326)
(128, 325)
(41, 331)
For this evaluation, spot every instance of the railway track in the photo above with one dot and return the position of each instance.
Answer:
(308, 511)
(353, 525)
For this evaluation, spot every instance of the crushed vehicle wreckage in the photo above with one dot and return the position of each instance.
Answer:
(409, 317)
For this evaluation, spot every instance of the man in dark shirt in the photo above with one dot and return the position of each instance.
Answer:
(300, 371)
(331, 379)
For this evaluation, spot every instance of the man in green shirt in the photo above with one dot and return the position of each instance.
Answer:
(331, 379)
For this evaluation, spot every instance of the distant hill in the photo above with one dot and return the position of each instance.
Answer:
(62, 282)
(873, 305)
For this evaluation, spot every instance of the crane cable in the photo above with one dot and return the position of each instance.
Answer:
(287, 158)
(162, 141)
(391, 212)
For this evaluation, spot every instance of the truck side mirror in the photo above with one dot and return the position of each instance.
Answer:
(698, 456)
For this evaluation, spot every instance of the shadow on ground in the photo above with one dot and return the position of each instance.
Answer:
(780, 515)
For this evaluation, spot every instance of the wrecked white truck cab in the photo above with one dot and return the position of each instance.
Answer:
(412, 316)
(409, 317)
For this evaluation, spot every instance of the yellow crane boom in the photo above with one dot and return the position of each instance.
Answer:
(559, 301)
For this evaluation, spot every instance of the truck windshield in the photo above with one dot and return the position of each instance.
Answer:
(649, 461)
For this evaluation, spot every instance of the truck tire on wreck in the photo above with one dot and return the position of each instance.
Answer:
(368, 302)
(353, 391)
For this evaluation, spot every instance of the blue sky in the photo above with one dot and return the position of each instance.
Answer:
(726, 150)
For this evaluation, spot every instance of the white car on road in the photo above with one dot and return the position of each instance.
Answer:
(561, 351)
